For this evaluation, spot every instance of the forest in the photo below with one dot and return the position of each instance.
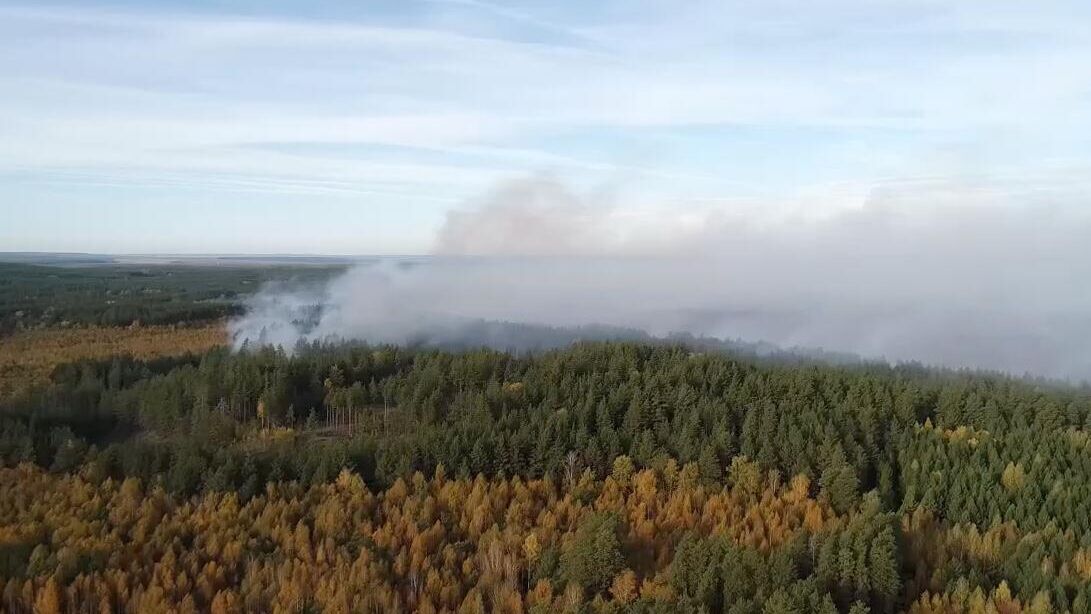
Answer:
(34, 296)
(601, 477)
(545, 307)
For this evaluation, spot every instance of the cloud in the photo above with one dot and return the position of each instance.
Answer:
(997, 286)
(174, 90)
(540, 216)
(394, 111)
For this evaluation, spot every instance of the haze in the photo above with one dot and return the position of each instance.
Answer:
(961, 286)
(905, 180)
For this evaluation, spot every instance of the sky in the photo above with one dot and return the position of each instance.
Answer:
(367, 127)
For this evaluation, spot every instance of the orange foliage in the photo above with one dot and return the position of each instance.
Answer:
(27, 358)
(429, 545)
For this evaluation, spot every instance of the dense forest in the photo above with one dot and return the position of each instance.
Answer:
(606, 476)
(27, 358)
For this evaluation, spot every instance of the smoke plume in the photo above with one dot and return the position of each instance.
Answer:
(930, 274)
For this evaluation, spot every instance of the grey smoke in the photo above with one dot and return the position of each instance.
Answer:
(915, 274)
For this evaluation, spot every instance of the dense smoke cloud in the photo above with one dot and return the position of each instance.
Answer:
(984, 285)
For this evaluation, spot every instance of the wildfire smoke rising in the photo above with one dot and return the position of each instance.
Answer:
(992, 286)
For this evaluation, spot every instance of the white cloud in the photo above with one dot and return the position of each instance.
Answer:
(440, 106)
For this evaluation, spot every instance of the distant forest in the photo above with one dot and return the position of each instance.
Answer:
(36, 296)
(603, 477)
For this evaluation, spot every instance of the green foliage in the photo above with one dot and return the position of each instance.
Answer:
(841, 485)
(861, 562)
(594, 556)
(879, 443)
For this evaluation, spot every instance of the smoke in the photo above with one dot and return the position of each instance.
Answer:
(935, 273)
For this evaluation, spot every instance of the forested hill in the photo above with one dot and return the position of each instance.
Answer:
(601, 477)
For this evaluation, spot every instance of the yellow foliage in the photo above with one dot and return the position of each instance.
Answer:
(49, 598)
(440, 543)
(1013, 477)
(624, 587)
(531, 548)
(965, 434)
(656, 589)
(27, 358)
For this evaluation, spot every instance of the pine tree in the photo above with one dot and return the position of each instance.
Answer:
(841, 486)
(593, 558)
(883, 567)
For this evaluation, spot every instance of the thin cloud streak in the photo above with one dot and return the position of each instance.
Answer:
(750, 105)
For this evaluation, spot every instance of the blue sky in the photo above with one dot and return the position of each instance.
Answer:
(354, 127)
